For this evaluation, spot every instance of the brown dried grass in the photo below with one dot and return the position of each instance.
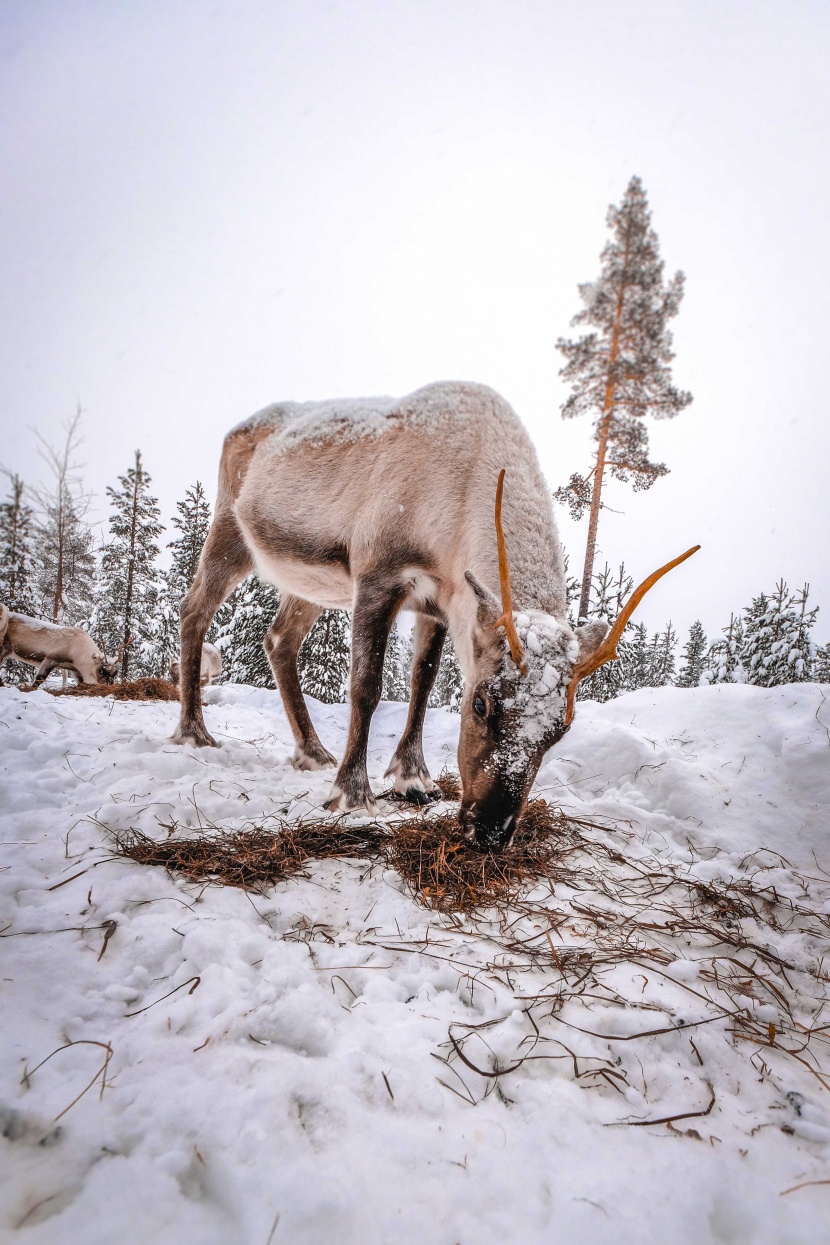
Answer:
(437, 865)
(131, 689)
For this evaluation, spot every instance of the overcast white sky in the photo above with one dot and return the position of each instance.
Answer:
(212, 206)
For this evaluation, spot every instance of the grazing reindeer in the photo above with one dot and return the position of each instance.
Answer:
(50, 647)
(209, 670)
(379, 505)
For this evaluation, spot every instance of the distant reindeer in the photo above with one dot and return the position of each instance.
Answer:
(50, 647)
(379, 505)
(210, 669)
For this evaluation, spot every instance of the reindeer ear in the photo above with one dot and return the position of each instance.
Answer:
(590, 636)
(488, 603)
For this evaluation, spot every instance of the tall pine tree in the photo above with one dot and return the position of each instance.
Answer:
(619, 371)
(17, 553)
(124, 615)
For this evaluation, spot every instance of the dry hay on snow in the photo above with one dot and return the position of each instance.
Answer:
(131, 689)
(257, 858)
(438, 866)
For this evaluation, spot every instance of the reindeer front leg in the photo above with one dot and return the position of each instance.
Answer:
(377, 598)
(43, 671)
(411, 776)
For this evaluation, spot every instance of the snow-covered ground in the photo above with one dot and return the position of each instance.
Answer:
(274, 1072)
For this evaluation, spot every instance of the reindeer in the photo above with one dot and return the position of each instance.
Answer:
(49, 647)
(379, 505)
(209, 670)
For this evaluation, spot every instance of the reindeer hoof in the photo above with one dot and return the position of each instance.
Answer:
(312, 759)
(416, 789)
(341, 801)
(417, 795)
(195, 735)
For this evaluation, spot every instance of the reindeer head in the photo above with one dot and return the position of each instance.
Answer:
(108, 668)
(520, 701)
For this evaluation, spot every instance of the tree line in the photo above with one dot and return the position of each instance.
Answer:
(618, 371)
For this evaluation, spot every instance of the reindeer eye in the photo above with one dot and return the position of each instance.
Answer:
(480, 707)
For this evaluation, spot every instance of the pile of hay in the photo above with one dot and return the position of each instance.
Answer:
(438, 866)
(133, 689)
(257, 858)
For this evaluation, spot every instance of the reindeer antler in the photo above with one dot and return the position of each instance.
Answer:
(506, 620)
(607, 651)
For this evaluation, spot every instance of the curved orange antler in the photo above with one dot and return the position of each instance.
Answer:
(506, 620)
(607, 651)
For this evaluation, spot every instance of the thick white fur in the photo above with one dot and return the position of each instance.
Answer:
(417, 473)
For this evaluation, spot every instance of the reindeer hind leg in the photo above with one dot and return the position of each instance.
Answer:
(294, 620)
(225, 560)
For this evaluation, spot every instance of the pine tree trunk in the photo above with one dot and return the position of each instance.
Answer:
(602, 438)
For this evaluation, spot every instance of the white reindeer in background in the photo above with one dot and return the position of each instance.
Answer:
(210, 669)
(380, 505)
(50, 647)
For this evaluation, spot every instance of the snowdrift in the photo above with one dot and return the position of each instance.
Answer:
(638, 1054)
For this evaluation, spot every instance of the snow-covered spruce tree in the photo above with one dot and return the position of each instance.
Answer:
(661, 657)
(64, 545)
(606, 602)
(638, 659)
(396, 665)
(755, 649)
(777, 647)
(821, 664)
(241, 625)
(17, 551)
(129, 580)
(193, 523)
(722, 663)
(798, 645)
(694, 657)
(449, 683)
(619, 371)
(324, 658)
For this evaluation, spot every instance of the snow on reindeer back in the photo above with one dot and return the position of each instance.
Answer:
(536, 701)
(343, 421)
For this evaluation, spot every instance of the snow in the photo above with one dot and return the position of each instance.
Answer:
(273, 1072)
(342, 419)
